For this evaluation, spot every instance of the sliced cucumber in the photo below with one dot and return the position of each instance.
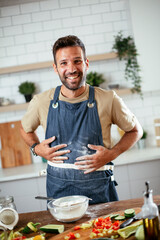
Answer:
(120, 218)
(52, 228)
(114, 216)
(129, 213)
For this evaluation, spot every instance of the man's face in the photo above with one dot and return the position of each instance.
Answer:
(71, 67)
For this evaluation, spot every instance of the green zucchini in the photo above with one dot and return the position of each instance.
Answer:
(114, 216)
(120, 218)
(52, 228)
(129, 213)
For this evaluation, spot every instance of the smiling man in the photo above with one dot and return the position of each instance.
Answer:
(77, 120)
(71, 67)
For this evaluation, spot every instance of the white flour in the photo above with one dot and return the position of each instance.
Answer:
(69, 209)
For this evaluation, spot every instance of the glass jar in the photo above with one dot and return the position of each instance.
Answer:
(7, 202)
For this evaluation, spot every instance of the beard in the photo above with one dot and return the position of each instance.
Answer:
(73, 84)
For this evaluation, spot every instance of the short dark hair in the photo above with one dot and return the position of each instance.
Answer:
(68, 41)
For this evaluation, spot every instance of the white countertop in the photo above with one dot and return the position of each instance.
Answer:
(135, 155)
(30, 171)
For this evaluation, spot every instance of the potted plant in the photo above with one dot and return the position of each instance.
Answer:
(27, 89)
(127, 51)
(94, 79)
(142, 142)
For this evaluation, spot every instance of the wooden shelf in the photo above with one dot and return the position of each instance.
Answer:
(23, 106)
(14, 107)
(48, 64)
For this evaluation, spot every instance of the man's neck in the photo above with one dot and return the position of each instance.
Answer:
(72, 93)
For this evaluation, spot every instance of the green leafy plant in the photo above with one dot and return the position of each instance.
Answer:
(144, 136)
(127, 51)
(94, 79)
(27, 88)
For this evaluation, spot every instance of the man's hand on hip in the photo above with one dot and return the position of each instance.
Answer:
(52, 154)
(90, 163)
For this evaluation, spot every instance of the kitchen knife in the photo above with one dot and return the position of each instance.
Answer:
(130, 220)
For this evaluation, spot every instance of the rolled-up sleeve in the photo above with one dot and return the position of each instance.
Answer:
(30, 120)
(121, 115)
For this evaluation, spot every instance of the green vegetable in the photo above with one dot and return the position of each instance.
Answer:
(140, 233)
(129, 230)
(17, 234)
(30, 227)
(120, 218)
(52, 228)
(10, 237)
(26, 230)
(3, 235)
(113, 216)
(128, 213)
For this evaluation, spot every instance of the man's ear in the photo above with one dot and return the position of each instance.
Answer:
(55, 68)
(87, 63)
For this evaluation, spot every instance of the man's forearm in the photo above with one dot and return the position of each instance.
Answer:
(128, 139)
(29, 138)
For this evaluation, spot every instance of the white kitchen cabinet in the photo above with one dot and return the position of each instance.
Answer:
(24, 192)
(131, 178)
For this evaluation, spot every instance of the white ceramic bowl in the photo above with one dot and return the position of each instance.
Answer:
(68, 209)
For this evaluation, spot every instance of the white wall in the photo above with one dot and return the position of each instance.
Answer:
(28, 31)
(146, 21)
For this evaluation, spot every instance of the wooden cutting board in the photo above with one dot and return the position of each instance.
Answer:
(13, 150)
(84, 233)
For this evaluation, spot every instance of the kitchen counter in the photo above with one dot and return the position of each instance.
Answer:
(94, 211)
(31, 171)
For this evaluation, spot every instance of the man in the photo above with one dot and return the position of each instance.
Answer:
(77, 119)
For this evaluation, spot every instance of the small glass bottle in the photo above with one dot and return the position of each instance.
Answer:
(7, 202)
(150, 215)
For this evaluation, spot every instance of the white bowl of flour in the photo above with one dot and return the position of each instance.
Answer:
(68, 209)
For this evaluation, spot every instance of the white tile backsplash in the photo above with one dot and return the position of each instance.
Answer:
(13, 30)
(68, 4)
(5, 21)
(10, 11)
(30, 7)
(80, 11)
(21, 19)
(29, 30)
(49, 4)
(32, 27)
(100, 8)
(60, 13)
(118, 5)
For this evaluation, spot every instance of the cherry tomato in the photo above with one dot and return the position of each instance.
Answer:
(77, 228)
(71, 236)
(116, 225)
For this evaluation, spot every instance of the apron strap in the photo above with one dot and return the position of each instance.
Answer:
(90, 100)
(56, 94)
(91, 97)
(91, 94)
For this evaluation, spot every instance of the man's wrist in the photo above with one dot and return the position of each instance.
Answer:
(32, 148)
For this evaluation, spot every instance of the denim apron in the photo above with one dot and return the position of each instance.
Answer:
(77, 125)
